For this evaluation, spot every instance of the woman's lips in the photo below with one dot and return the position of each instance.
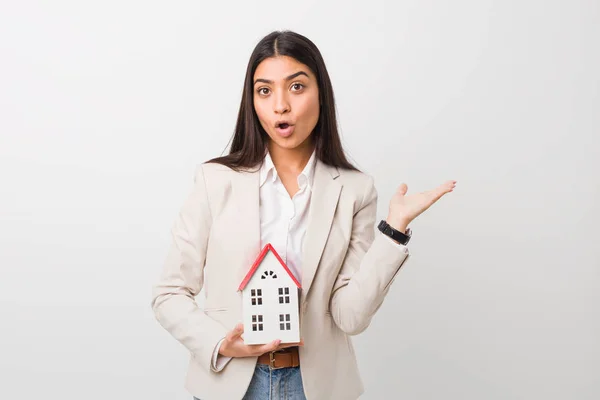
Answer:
(285, 130)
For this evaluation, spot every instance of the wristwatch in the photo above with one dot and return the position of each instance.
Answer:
(400, 237)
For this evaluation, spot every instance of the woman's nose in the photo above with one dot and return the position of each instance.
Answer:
(282, 104)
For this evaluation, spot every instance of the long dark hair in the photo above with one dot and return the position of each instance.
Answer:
(250, 140)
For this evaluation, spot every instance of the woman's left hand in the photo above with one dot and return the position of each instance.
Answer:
(405, 208)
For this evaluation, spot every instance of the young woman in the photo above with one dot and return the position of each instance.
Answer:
(286, 182)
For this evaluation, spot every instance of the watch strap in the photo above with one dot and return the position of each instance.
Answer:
(400, 237)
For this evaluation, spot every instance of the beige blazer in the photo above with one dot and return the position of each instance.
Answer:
(346, 272)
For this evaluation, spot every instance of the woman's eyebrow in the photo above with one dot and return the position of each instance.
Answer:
(287, 79)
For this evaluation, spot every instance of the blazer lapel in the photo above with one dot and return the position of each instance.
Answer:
(324, 199)
(247, 227)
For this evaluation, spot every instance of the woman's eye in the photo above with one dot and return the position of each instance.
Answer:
(263, 91)
(297, 86)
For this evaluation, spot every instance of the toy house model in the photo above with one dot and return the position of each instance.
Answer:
(270, 301)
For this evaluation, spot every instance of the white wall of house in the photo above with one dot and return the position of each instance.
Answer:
(265, 309)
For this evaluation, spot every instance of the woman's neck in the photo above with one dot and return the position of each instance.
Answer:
(290, 160)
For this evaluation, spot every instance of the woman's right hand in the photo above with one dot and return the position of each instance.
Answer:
(234, 346)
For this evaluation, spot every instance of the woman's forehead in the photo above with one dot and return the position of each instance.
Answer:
(279, 68)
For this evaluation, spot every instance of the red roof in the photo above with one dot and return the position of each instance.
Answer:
(259, 259)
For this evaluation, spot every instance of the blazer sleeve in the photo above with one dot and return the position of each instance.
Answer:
(173, 297)
(370, 265)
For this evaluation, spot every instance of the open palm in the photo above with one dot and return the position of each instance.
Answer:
(405, 208)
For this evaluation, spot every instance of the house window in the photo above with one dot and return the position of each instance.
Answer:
(268, 274)
(284, 295)
(256, 296)
(284, 322)
(257, 323)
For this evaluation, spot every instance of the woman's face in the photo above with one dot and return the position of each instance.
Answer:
(286, 100)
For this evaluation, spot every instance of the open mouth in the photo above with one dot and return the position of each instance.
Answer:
(284, 128)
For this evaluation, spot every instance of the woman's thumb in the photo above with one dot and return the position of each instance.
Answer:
(402, 189)
(236, 332)
(239, 329)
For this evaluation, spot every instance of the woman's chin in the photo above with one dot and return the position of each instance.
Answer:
(289, 143)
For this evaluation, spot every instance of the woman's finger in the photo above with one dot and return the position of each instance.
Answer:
(265, 348)
(441, 190)
(236, 332)
(286, 345)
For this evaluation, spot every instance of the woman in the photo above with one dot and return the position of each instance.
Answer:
(286, 182)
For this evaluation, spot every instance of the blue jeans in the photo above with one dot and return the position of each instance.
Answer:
(275, 384)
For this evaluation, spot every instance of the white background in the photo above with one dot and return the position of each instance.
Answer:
(107, 107)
